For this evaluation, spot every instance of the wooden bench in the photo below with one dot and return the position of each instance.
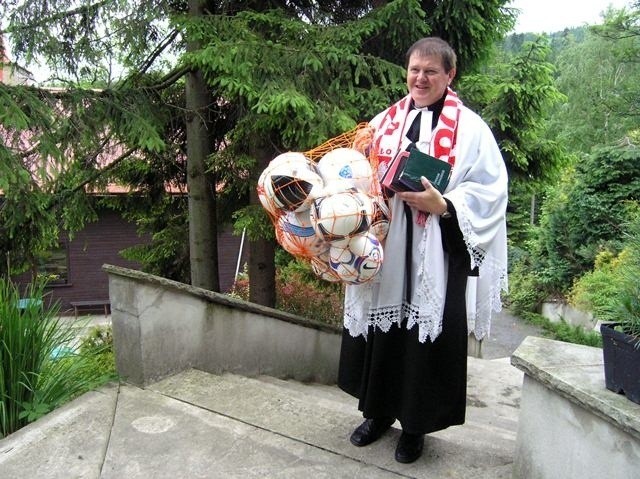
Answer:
(93, 304)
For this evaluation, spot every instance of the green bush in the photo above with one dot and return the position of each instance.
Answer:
(299, 291)
(525, 291)
(612, 290)
(97, 347)
(597, 290)
(41, 364)
(563, 331)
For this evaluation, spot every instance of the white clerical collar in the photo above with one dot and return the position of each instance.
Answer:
(421, 108)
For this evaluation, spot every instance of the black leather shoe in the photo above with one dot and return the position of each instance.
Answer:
(409, 447)
(370, 430)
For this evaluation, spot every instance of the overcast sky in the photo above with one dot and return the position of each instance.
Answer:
(548, 16)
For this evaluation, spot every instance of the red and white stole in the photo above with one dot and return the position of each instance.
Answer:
(388, 137)
(388, 140)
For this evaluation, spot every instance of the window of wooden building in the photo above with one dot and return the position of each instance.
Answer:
(54, 265)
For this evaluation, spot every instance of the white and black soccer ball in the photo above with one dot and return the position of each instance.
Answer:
(266, 196)
(369, 254)
(339, 216)
(342, 263)
(346, 164)
(380, 218)
(360, 261)
(287, 183)
(336, 186)
(296, 235)
(322, 270)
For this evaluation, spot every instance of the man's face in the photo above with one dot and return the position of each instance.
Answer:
(426, 79)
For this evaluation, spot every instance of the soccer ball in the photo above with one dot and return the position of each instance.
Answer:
(296, 235)
(322, 269)
(346, 164)
(336, 186)
(380, 218)
(369, 253)
(287, 183)
(265, 199)
(341, 262)
(289, 157)
(360, 261)
(341, 215)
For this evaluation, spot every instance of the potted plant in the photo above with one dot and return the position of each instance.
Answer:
(621, 338)
(621, 354)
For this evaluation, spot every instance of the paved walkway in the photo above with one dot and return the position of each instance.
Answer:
(197, 425)
(507, 332)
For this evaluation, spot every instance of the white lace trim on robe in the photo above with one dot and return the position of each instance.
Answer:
(478, 191)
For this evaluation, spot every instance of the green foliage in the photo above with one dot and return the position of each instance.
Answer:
(513, 97)
(585, 216)
(97, 347)
(304, 81)
(161, 219)
(40, 367)
(293, 85)
(85, 41)
(74, 139)
(523, 211)
(525, 291)
(513, 94)
(599, 76)
(563, 331)
(612, 290)
(465, 26)
(255, 221)
(300, 292)
(597, 290)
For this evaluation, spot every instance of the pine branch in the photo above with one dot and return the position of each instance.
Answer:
(47, 21)
(158, 51)
(170, 78)
(97, 174)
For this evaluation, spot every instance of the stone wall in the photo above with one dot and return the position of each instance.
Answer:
(161, 327)
(570, 424)
(557, 310)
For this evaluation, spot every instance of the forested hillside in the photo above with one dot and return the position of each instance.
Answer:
(582, 220)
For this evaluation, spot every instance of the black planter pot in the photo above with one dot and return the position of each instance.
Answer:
(621, 354)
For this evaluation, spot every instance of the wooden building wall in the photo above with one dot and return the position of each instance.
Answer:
(101, 242)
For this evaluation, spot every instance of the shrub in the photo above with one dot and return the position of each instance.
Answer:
(41, 364)
(627, 308)
(525, 291)
(611, 291)
(563, 331)
(299, 291)
(596, 291)
(97, 347)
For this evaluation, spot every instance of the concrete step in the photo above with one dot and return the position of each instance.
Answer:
(195, 424)
(324, 416)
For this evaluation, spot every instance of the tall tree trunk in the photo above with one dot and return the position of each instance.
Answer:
(262, 270)
(203, 234)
